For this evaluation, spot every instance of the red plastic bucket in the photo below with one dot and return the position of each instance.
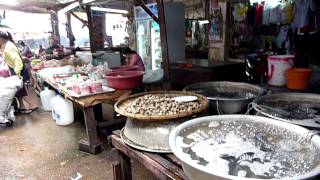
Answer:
(124, 68)
(125, 79)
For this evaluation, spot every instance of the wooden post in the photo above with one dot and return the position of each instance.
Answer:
(227, 31)
(92, 145)
(96, 30)
(55, 27)
(125, 164)
(164, 43)
(117, 171)
(69, 30)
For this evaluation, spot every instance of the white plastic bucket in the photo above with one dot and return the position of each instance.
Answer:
(46, 95)
(277, 67)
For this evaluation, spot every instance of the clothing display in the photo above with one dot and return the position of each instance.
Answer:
(267, 24)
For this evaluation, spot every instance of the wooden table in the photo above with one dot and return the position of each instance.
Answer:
(92, 144)
(162, 166)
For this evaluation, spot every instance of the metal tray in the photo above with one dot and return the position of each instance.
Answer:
(72, 94)
(141, 147)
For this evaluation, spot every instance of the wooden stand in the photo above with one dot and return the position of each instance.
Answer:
(162, 166)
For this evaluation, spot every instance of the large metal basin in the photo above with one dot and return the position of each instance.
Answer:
(197, 143)
(227, 97)
(297, 108)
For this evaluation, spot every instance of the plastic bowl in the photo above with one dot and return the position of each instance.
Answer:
(125, 79)
(298, 78)
(124, 68)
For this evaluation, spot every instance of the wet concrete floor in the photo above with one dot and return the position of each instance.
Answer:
(36, 148)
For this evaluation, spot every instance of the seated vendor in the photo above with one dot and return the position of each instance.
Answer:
(26, 51)
(51, 48)
(133, 58)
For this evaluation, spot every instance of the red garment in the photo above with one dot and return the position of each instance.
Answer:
(135, 60)
(259, 14)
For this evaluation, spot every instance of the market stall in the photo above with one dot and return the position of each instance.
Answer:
(85, 87)
(87, 103)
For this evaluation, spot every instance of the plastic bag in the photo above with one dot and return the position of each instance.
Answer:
(8, 89)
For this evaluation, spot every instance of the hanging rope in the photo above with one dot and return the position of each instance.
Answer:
(218, 108)
(249, 108)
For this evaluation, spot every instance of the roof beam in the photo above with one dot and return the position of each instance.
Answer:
(148, 11)
(85, 23)
(76, 4)
(70, 7)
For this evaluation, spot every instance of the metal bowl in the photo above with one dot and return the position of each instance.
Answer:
(297, 108)
(227, 97)
(243, 147)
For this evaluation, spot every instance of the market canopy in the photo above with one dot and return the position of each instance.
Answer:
(45, 6)
(34, 6)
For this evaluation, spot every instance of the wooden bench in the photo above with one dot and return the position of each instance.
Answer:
(162, 166)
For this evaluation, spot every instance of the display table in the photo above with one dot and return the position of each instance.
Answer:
(87, 104)
(162, 166)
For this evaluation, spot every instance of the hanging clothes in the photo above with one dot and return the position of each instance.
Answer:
(266, 14)
(251, 15)
(282, 36)
(271, 13)
(240, 12)
(287, 15)
(275, 14)
(259, 14)
(302, 10)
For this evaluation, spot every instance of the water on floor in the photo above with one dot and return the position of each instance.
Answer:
(36, 148)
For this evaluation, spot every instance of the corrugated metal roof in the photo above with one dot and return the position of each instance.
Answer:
(36, 6)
